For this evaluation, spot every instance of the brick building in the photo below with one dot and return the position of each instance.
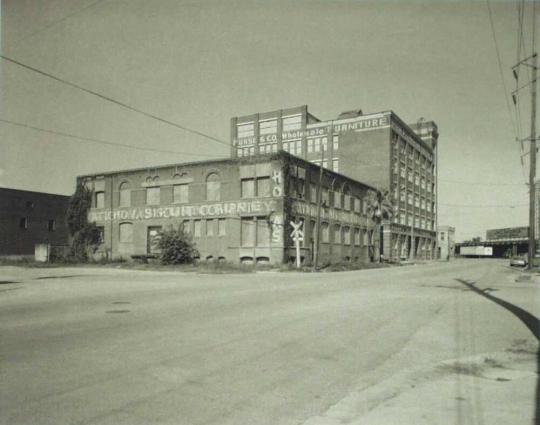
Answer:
(378, 149)
(29, 218)
(237, 210)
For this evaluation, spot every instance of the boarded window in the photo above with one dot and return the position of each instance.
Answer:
(213, 187)
(347, 235)
(263, 232)
(126, 232)
(153, 195)
(23, 223)
(51, 225)
(337, 233)
(210, 227)
(248, 231)
(125, 195)
(197, 228)
(186, 226)
(181, 193)
(248, 188)
(325, 232)
(263, 187)
(222, 227)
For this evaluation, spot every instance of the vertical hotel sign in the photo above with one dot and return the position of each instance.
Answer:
(357, 125)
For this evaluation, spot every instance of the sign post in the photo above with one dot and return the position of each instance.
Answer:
(298, 236)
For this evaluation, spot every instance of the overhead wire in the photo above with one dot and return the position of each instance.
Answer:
(114, 101)
(101, 141)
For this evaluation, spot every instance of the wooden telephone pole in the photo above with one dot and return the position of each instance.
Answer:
(318, 223)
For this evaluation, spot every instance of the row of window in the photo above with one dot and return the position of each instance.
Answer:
(294, 147)
(269, 126)
(324, 163)
(415, 221)
(153, 194)
(416, 200)
(23, 224)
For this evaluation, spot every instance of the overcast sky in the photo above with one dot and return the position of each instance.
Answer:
(198, 63)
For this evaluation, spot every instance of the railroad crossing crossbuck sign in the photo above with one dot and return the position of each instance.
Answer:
(298, 236)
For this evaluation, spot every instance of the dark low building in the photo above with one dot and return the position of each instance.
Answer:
(29, 218)
(237, 210)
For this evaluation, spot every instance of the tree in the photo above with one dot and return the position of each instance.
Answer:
(85, 236)
(176, 247)
(379, 209)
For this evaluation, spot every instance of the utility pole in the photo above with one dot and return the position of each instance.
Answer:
(318, 223)
(532, 171)
(532, 62)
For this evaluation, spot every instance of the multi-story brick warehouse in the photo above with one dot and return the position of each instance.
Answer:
(29, 218)
(237, 210)
(378, 149)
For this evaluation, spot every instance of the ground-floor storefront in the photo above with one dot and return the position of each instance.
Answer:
(400, 243)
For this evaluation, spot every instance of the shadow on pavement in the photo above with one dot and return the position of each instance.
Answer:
(61, 277)
(6, 282)
(532, 323)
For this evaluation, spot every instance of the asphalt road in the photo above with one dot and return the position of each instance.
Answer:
(411, 345)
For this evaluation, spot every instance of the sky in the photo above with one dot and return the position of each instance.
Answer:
(199, 63)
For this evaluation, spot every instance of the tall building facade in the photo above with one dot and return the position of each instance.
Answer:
(378, 149)
(237, 210)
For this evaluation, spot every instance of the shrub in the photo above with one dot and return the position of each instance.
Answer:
(176, 247)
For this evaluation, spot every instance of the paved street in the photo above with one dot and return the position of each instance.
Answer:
(411, 345)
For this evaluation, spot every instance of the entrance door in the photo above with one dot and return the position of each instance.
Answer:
(153, 236)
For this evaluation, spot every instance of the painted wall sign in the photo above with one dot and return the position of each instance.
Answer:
(236, 208)
(310, 210)
(359, 125)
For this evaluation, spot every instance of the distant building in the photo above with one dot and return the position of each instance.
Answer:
(29, 218)
(508, 241)
(378, 149)
(446, 242)
(238, 210)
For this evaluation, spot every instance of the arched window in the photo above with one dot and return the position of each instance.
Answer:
(125, 195)
(126, 232)
(213, 187)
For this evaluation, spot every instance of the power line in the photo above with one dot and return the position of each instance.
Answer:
(490, 14)
(116, 102)
(101, 141)
(54, 23)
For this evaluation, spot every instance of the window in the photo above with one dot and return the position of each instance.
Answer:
(245, 130)
(210, 227)
(337, 200)
(347, 202)
(312, 192)
(263, 232)
(335, 142)
(247, 229)
(101, 231)
(310, 147)
(51, 225)
(325, 196)
(213, 187)
(268, 127)
(181, 193)
(125, 195)
(126, 232)
(153, 195)
(100, 199)
(186, 226)
(263, 187)
(357, 205)
(337, 233)
(248, 188)
(357, 237)
(292, 123)
(409, 198)
(222, 229)
(325, 232)
(335, 165)
(23, 223)
(197, 228)
(347, 235)
(153, 236)
(366, 237)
